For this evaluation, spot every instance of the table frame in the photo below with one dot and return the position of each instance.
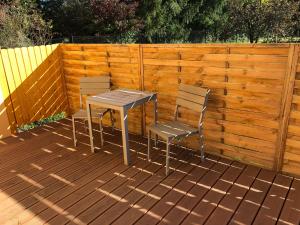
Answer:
(124, 116)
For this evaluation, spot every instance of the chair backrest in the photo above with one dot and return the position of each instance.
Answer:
(93, 85)
(193, 98)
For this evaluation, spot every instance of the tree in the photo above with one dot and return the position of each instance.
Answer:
(282, 17)
(211, 17)
(173, 20)
(117, 18)
(167, 20)
(70, 17)
(256, 18)
(21, 24)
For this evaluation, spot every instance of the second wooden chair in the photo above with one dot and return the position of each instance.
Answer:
(92, 86)
(189, 97)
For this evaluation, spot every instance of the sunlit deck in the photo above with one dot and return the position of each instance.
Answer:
(43, 179)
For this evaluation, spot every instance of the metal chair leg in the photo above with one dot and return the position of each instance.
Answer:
(74, 132)
(202, 148)
(155, 140)
(112, 120)
(85, 126)
(149, 145)
(101, 131)
(167, 157)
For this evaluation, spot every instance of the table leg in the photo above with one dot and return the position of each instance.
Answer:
(88, 109)
(124, 124)
(155, 120)
(155, 110)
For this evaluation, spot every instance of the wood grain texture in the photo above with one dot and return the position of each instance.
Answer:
(253, 111)
(291, 155)
(288, 98)
(33, 82)
(45, 180)
(246, 82)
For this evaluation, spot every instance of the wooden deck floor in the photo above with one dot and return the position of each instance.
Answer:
(43, 179)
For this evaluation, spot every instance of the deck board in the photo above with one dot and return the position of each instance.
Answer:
(290, 213)
(232, 200)
(205, 207)
(45, 180)
(253, 201)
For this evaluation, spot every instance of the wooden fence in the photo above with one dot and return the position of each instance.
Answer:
(32, 83)
(289, 148)
(253, 114)
(121, 62)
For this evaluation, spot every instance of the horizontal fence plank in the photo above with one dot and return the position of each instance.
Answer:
(247, 83)
(290, 158)
(35, 79)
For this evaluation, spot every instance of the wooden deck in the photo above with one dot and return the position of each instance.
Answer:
(43, 179)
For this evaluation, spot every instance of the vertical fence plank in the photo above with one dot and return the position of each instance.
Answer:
(43, 52)
(21, 65)
(32, 58)
(12, 86)
(15, 66)
(9, 110)
(251, 87)
(34, 83)
(286, 104)
(38, 54)
(26, 59)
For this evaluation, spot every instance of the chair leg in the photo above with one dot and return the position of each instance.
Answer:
(155, 140)
(202, 148)
(74, 132)
(149, 145)
(112, 120)
(85, 126)
(167, 157)
(101, 131)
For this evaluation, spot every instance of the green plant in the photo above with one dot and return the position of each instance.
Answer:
(255, 19)
(22, 24)
(41, 122)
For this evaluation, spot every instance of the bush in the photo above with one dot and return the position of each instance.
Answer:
(21, 24)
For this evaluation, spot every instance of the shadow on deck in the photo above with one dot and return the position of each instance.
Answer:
(44, 179)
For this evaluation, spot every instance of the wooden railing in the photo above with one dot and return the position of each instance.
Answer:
(253, 113)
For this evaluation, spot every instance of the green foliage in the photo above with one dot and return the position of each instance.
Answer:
(70, 17)
(41, 122)
(169, 20)
(21, 24)
(117, 18)
(210, 19)
(155, 21)
(255, 19)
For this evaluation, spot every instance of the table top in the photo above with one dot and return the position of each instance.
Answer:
(122, 98)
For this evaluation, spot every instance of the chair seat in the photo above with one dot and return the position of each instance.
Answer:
(82, 114)
(173, 129)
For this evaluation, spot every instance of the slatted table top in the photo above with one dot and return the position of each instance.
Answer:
(122, 97)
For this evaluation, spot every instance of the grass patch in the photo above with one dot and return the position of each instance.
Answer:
(41, 122)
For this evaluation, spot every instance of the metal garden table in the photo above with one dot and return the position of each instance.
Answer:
(121, 100)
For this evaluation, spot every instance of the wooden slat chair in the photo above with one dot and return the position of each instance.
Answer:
(189, 97)
(92, 86)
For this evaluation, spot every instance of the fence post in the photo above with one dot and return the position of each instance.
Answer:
(286, 104)
(63, 77)
(142, 87)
